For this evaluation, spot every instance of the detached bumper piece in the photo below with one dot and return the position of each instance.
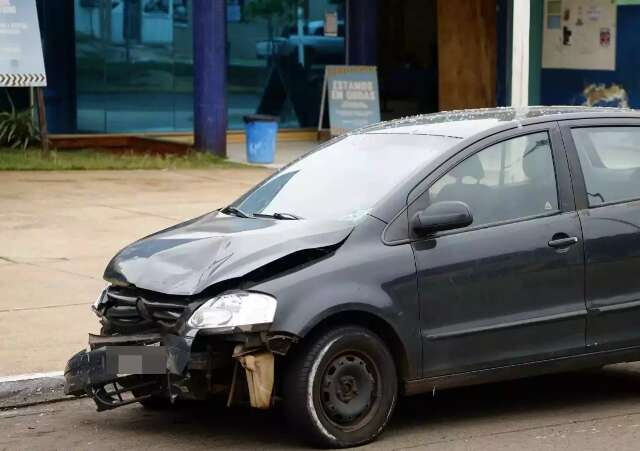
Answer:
(259, 372)
(115, 376)
(125, 369)
(107, 398)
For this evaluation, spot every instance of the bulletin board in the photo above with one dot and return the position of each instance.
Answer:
(579, 34)
(21, 61)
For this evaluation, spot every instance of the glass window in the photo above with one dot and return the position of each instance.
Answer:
(345, 179)
(277, 53)
(610, 159)
(134, 61)
(509, 180)
(134, 65)
(90, 63)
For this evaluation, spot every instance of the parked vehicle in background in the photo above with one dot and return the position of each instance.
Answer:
(323, 49)
(408, 257)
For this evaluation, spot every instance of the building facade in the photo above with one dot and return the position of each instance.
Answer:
(127, 66)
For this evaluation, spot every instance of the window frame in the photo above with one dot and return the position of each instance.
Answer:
(566, 200)
(577, 174)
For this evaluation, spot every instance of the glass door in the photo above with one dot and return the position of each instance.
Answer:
(139, 65)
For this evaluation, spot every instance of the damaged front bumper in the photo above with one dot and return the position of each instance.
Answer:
(139, 365)
(119, 370)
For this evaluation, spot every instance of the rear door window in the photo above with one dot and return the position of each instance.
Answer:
(610, 160)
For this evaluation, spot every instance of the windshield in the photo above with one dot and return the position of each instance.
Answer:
(345, 179)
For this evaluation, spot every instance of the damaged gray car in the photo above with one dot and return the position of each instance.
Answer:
(407, 257)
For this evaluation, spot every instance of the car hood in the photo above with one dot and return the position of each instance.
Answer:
(192, 256)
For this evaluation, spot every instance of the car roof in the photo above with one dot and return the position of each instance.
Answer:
(463, 124)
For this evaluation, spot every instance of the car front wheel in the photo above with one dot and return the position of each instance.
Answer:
(341, 388)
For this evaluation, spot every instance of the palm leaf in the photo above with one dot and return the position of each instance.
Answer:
(17, 128)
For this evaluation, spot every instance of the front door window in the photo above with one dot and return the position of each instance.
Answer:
(509, 180)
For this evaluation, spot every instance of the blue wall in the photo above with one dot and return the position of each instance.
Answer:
(565, 86)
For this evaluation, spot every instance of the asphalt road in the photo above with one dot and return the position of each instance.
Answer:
(593, 410)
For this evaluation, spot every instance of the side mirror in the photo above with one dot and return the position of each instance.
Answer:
(446, 215)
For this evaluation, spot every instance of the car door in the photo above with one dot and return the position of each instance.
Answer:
(605, 162)
(509, 288)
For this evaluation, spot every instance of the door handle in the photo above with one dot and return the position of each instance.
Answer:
(563, 242)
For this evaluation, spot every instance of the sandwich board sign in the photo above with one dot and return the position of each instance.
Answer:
(21, 60)
(352, 95)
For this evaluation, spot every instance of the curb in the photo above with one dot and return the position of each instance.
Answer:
(29, 389)
(30, 376)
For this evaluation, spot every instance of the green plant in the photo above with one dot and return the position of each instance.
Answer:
(33, 159)
(17, 129)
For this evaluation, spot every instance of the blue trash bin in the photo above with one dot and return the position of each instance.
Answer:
(262, 131)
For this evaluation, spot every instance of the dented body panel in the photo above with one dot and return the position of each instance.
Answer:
(363, 276)
(192, 256)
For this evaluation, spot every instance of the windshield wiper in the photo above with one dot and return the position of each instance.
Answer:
(280, 216)
(235, 212)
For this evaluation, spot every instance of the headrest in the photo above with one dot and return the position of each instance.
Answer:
(471, 167)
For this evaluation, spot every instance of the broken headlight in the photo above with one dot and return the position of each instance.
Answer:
(97, 305)
(233, 310)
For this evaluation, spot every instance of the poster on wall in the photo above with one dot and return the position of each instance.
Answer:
(579, 34)
(21, 61)
(353, 97)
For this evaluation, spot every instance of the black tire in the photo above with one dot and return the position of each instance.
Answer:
(341, 388)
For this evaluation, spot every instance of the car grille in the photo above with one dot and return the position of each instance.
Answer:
(128, 309)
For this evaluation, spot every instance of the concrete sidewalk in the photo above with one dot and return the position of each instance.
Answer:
(58, 231)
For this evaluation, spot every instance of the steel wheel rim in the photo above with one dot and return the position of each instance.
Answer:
(349, 391)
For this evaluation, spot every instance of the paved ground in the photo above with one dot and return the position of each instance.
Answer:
(59, 229)
(597, 410)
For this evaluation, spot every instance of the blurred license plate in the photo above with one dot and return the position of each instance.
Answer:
(122, 360)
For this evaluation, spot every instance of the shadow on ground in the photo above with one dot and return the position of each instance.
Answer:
(508, 405)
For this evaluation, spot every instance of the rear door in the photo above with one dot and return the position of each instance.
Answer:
(605, 164)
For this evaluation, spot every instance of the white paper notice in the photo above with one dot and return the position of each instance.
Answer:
(579, 34)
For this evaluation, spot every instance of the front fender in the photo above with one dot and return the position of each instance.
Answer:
(363, 275)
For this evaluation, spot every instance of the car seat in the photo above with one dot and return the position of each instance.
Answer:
(478, 196)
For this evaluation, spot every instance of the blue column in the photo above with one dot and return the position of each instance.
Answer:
(57, 27)
(362, 32)
(210, 75)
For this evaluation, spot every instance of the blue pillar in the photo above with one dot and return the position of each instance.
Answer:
(210, 75)
(57, 26)
(362, 32)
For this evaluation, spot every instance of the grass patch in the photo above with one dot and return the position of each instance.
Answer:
(91, 159)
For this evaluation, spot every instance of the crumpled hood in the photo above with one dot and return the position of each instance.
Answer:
(189, 257)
